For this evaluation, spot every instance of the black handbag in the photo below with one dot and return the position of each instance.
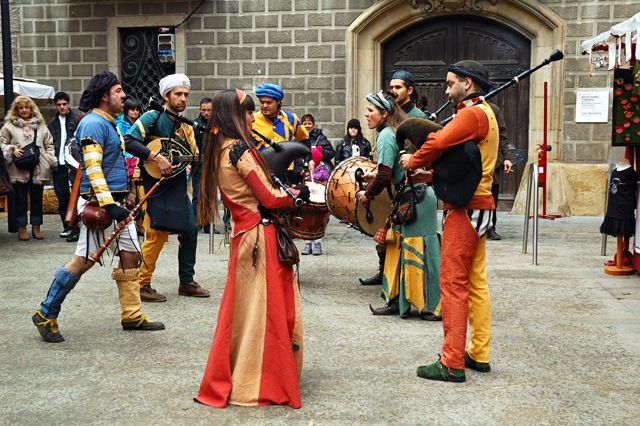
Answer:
(287, 251)
(30, 155)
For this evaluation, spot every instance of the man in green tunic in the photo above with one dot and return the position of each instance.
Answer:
(403, 87)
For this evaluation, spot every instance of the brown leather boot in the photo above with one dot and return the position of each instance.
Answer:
(23, 235)
(192, 289)
(35, 231)
(149, 294)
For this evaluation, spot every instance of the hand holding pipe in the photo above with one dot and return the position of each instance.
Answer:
(96, 255)
(297, 201)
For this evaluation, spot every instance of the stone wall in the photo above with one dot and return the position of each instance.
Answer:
(585, 143)
(297, 43)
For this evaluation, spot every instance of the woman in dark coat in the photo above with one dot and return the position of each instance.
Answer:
(353, 144)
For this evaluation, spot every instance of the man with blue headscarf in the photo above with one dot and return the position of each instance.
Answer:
(273, 125)
(272, 122)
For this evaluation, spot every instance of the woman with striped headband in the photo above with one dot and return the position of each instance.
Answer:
(412, 260)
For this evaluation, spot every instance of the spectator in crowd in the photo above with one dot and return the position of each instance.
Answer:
(320, 166)
(206, 105)
(317, 138)
(132, 111)
(318, 174)
(62, 126)
(24, 124)
(353, 144)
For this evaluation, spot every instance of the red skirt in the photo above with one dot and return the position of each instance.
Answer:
(256, 354)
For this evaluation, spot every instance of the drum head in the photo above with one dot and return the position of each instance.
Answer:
(379, 210)
(317, 192)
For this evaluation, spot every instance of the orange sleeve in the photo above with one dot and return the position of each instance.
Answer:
(469, 124)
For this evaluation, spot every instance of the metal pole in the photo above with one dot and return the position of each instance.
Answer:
(211, 237)
(7, 64)
(535, 214)
(525, 233)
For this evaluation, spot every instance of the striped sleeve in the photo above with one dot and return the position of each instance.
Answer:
(92, 152)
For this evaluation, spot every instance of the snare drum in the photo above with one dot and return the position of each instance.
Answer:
(342, 186)
(309, 221)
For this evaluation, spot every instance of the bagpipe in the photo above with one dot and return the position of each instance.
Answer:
(457, 172)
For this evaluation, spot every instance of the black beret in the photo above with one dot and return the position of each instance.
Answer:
(97, 86)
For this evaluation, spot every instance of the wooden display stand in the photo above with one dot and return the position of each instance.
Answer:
(618, 268)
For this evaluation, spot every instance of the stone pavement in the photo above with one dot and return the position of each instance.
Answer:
(565, 348)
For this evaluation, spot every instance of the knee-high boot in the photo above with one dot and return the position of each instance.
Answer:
(45, 319)
(377, 278)
(63, 282)
(132, 318)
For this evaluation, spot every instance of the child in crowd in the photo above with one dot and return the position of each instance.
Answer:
(320, 175)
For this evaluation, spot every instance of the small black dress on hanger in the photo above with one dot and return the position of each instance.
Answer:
(619, 221)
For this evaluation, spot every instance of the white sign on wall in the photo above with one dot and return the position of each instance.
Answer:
(592, 106)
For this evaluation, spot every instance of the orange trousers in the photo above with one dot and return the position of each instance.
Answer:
(464, 291)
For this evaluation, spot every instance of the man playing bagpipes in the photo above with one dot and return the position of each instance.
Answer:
(463, 279)
(103, 183)
(169, 210)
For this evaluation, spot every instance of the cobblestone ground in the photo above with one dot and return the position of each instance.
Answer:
(565, 348)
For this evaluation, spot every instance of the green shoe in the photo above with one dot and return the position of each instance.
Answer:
(483, 367)
(437, 371)
(48, 328)
(142, 323)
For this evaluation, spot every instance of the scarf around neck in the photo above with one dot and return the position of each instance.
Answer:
(27, 126)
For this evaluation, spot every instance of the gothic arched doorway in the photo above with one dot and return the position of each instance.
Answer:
(427, 48)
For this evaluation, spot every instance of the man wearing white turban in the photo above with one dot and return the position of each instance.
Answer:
(170, 209)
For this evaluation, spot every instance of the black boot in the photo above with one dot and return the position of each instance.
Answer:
(377, 278)
(392, 308)
(493, 235)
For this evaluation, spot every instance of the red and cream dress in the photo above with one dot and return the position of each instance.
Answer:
(256, 354)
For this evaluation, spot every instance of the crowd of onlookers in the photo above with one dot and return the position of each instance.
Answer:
(24, 125)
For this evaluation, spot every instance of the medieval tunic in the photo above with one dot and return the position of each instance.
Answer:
(463, 278)
(256, 354)
(412, 263)
(286, 126)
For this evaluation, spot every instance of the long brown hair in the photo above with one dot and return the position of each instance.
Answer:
(228, 120)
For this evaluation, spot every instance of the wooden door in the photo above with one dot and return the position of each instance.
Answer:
(428, 48)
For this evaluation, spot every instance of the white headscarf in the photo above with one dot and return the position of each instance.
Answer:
(172, 81)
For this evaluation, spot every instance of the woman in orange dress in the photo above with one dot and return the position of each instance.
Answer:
(256, 354)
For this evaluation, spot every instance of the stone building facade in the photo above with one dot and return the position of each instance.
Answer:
(327, 54)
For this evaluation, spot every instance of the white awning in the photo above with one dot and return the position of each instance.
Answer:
(618, 41)
(27, 87)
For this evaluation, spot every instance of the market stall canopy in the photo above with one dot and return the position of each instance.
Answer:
(619, 41)
(23, 86)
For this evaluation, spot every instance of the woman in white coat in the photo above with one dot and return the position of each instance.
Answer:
(23, 124)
